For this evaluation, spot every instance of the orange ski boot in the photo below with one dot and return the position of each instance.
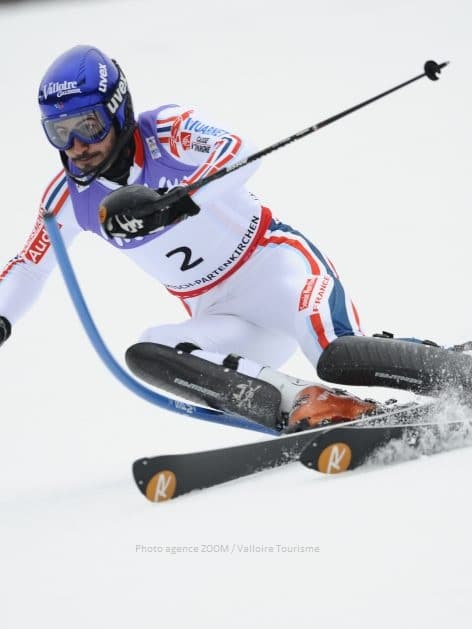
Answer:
(316, 405)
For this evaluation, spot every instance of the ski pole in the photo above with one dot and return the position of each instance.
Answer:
(431, 70)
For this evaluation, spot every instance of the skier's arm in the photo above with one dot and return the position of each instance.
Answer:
(194, 139)
(24, 276)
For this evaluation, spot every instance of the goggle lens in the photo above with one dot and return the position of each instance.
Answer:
(89, 127)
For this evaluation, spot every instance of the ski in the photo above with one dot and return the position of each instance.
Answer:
(164, 477)
(346, 448)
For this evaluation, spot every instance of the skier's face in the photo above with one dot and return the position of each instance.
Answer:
(88, 156)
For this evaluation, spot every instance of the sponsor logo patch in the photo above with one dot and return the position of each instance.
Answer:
(103, 83)
(197, 126)
(60, 89)
(118, 96)
(201, 148)
(153, 148)
(37, 244)
(162, 486)
(201, 144)
(321, 293)
(185, 140)
(335, 458)
(306, 293)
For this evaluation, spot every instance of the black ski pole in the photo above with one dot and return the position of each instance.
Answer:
(431, 70)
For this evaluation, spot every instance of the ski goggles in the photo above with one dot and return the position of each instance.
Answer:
(90, 126)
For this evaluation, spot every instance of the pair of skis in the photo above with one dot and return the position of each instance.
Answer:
(390, 436)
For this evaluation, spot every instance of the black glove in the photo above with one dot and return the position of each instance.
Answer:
(5, 329)
(130, 212)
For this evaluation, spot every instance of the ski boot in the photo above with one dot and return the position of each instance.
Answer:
(317, 405)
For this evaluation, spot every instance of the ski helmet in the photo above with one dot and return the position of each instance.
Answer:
(83, 94)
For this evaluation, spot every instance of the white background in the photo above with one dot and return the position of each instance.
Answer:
(384, 192)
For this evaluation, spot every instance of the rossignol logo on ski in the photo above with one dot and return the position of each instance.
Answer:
(335, 458)
(161, 486)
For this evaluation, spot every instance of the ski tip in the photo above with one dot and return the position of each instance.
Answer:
(333, 459)
(157, 487)
(161, 486)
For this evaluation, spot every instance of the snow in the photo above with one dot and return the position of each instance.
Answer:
(385, 192)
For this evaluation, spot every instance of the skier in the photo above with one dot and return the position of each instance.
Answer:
(252, 286)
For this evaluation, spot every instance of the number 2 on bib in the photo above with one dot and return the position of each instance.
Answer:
(187, 261)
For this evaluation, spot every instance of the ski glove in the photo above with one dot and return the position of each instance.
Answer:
(130, 212)
(5, 329)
